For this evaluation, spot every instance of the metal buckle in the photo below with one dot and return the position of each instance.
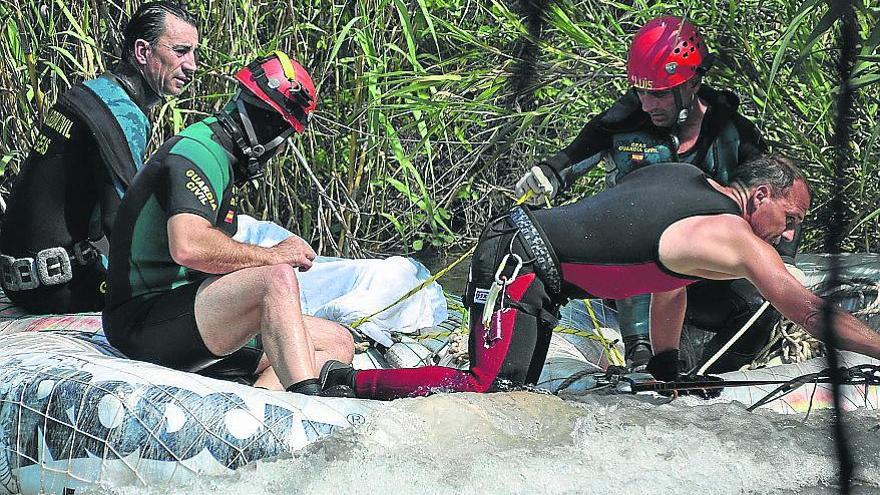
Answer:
(24, 274)
(6, 279)
(53, 265)
(503, 265)
(84, 252)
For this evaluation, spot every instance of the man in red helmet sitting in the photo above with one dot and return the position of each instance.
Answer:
(669, 115)
(182, 292)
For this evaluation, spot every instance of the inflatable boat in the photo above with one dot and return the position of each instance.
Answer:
(75, 414)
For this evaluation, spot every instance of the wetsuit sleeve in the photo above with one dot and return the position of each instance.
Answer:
(191, 189)
(579, 157)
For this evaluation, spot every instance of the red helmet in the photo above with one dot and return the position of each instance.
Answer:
(284, 85)
(666, 52)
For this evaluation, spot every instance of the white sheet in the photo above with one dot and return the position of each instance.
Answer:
(345, 290)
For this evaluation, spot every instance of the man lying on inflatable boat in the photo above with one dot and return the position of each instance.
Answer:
(659, 230)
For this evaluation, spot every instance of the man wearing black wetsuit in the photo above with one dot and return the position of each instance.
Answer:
(669, 116)
(90, 147)
(658, 231)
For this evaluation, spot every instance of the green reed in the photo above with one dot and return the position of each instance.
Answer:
(419, 137)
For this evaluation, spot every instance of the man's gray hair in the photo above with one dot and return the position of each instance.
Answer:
(776, 171)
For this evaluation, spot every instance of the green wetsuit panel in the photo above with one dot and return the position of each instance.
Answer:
(190, 174)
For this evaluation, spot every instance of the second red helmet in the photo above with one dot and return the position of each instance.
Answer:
(666, 52)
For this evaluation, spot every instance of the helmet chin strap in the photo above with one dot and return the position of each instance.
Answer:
(682, 113)
(247, 142)
(683, 110)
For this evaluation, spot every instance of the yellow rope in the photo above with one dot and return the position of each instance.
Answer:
(558, 329)
(434, 277)
(415, 289)
(612, 353)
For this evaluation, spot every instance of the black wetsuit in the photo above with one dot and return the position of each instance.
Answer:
(626, 139)
(567, 252)
(69, 187)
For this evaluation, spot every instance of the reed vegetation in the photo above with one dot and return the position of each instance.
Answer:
(431, 109)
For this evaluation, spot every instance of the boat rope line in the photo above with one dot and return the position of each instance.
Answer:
(866, 375)
(736, 336)
(859, 375)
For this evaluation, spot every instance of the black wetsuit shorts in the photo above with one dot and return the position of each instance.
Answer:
(162, 329)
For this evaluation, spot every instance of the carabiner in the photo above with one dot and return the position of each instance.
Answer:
(507, 281)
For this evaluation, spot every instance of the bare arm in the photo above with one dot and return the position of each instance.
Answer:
(724, 247)
(767, 272)
(194, 243)
(667, 318)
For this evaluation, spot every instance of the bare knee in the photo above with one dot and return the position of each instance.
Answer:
(331, 339)
(339, 343)
(281, 280)
(345, 343)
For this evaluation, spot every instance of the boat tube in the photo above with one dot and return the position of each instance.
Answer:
(76, 414)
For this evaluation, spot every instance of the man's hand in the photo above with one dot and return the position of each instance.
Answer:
(295, 252)
(539, 183)
(666, 367)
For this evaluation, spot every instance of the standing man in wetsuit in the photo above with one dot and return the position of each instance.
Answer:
(668, 115)
(183, 293)
(670, 226)
(89, 148)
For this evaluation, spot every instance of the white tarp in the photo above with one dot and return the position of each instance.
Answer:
(345, 290)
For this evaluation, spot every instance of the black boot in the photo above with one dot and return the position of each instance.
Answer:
(309, 386)
(337, 379)
(637, 352)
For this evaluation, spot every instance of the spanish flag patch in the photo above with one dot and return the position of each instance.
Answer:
(230, 216)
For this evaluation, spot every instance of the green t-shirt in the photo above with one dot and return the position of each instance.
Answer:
(191, 173)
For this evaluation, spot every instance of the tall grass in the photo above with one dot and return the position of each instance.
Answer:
(426, 119)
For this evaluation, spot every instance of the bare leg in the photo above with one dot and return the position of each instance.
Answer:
(233, 308)
(269, 380)
(331, 341)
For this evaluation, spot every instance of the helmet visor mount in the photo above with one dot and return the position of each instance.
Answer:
(277, 85)
(282, 84)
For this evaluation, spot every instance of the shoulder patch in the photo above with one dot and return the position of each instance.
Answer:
(200, 189)
(56, 121)
(196, 146)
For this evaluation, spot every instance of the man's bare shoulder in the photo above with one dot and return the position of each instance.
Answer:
(724, 226)
(710, 246)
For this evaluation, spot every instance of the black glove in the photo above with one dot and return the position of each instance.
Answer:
(665, 366)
